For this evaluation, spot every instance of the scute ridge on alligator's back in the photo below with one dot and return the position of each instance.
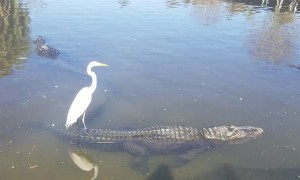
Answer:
(155, 133)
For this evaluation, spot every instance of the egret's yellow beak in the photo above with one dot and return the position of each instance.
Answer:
(96, 63)
(103, 64)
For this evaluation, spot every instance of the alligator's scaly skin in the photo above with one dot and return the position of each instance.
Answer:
(165, 138)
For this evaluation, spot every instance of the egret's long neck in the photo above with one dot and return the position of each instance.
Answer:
(94, 80)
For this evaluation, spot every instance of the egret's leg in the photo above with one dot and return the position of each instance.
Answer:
(83, 120)
(77, 124)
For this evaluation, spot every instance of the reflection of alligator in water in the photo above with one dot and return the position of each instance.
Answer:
(44, 50)
(161, 139)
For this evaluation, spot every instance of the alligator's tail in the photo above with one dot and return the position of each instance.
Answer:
(23, 127)
(60, 132)
(34, 126)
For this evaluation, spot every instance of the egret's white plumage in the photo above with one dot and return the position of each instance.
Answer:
(83, 98)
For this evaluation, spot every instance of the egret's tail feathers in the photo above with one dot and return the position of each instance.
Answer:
(69, 123)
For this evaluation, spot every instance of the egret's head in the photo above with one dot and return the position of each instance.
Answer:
(232, 134)
(95, 63)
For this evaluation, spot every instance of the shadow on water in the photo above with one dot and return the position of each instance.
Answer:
(163, 172)
(14, 39)
(229, 172)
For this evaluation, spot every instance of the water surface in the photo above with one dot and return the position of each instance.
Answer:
(194, 63)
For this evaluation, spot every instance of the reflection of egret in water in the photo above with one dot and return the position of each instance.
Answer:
(274, 41)
(83, 98)
(84, 162)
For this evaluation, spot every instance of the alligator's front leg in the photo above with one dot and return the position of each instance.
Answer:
(140, 156)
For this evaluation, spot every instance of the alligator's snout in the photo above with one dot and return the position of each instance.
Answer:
(254, 132)
(260, 131)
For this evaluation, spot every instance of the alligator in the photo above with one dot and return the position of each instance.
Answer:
(160, 139)
(44, 50)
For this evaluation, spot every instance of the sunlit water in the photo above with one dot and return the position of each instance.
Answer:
(195, 63)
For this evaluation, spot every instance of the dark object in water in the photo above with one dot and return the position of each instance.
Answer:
(294, 66)
(44, 50)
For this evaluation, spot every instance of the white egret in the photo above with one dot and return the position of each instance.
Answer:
(83, 98)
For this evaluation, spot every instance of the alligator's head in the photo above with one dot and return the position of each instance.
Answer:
(232, 134)
(39, 41)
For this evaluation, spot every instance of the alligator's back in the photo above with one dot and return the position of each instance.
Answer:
(160, 138)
